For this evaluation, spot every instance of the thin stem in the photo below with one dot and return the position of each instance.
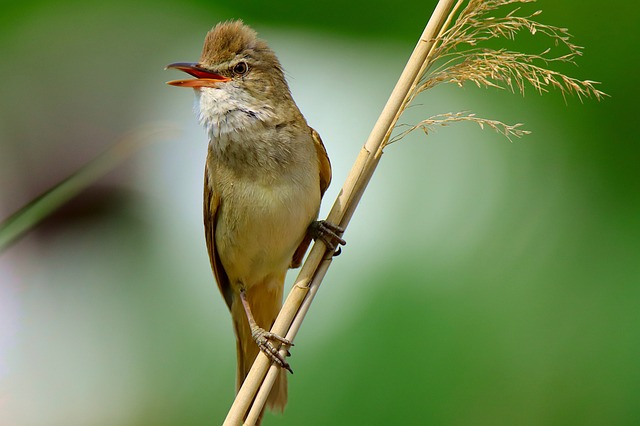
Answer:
(317, 263)
(33, 213)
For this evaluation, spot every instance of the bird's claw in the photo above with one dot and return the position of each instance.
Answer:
(329, 233)
(263, 339)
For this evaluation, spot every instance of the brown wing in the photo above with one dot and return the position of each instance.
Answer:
(325, 180)
(323, 160)
(210, 207)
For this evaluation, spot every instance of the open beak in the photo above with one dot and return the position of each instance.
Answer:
(203, 77)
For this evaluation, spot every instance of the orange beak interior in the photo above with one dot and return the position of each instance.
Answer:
(203, 77)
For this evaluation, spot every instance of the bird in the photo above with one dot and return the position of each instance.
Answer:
(265, 174)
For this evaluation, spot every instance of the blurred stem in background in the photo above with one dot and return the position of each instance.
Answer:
(28, 217)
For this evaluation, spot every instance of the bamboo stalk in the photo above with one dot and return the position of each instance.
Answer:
(316, 265)
(272, 374)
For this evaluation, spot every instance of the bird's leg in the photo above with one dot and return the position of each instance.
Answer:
(263, 338)
(328, 233)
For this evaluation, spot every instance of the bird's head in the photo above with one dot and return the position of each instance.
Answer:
(238, 79)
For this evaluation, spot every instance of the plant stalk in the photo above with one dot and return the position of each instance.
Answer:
(255, 387)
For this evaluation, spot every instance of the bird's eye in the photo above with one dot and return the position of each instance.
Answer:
(241, 68)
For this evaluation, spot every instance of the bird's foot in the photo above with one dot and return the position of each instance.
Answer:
(263, 339)
(329, 233)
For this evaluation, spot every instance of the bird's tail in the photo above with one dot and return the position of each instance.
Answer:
(265, 300)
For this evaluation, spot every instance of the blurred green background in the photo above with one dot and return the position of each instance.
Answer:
(484, 283)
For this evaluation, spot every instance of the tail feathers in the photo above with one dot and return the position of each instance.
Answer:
(279, 393)
(265, 302)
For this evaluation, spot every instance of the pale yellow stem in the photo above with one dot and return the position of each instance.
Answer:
(256, 387)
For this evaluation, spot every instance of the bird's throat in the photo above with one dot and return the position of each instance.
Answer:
(227, 112)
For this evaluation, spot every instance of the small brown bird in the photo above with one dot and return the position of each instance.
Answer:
(265, 174)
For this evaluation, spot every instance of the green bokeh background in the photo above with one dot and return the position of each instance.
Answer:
(484, 283)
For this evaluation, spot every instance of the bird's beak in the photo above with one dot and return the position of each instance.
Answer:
(203, 77)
